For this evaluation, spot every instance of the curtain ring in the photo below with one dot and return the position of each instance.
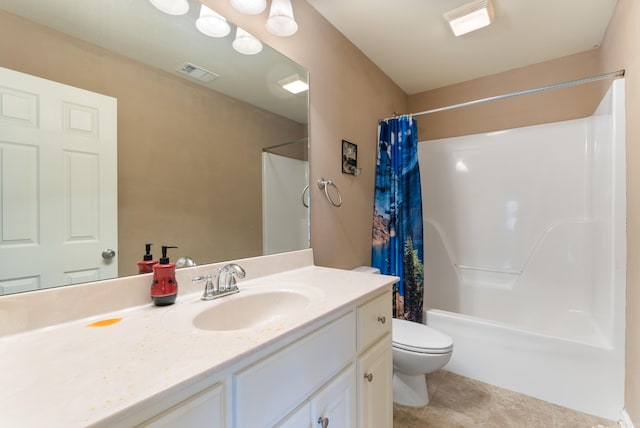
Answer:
(305, 190)
(324, 185)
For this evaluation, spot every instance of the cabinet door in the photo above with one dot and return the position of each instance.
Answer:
(295, 372)
(334, 406)
(301, 418)
(205, 409)
(375, 386)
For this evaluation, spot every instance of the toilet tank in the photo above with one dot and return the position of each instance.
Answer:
(367, 269)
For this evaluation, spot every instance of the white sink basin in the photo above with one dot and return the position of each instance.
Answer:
(251, 310)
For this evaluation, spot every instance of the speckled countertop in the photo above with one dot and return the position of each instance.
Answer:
(71, 374)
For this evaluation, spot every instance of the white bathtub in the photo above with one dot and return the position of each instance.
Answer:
(525, 256)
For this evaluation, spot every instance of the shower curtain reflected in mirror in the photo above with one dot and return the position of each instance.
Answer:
(397, 217)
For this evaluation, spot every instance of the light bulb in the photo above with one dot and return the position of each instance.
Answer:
(281, 22)
(250, 7)
(171, 7)
(245, 43)
(212, 23)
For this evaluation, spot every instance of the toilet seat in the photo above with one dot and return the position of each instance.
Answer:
(419, 338)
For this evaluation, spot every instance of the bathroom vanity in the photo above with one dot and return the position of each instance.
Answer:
(299, 346)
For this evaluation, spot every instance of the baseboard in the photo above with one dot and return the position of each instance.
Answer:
(625, 420)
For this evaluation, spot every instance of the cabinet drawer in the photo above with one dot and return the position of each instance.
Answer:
(374, 320)
(268, 390)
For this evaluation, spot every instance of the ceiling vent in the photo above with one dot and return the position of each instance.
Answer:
(197, 72)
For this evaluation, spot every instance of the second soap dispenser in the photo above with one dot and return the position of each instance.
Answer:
(164, 288)
(147, 262)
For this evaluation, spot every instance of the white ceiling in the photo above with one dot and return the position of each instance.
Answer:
(408, 39)
(412, 43)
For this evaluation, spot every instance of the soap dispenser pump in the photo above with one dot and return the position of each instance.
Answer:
(147, 262)
(164, 288)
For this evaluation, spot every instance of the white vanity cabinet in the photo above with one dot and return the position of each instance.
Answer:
(375, 365)
(335, 376)
(307, 336)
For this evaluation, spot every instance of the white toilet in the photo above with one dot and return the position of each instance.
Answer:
(417, 350)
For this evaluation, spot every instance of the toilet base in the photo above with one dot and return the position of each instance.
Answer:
(410, 390)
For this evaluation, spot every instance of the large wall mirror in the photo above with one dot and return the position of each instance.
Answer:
(215, 166)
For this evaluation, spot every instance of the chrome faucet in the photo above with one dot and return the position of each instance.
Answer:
(227, 277)
(225, 283)
(209, 289)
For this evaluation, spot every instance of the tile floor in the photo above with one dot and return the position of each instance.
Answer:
(460, 402)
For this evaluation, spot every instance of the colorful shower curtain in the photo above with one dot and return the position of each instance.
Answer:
(397, 217)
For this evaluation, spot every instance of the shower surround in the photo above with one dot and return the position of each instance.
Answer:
(525, 256)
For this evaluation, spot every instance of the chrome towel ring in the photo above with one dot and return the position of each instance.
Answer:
(304, 202)
(324, 185)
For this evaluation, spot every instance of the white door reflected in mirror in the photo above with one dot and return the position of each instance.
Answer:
(49, 240)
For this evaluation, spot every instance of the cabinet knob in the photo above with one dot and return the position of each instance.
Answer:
(323, 422)
(382, 319)
(368, 376)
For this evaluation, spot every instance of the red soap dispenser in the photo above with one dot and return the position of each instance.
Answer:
(164, 288)
(146, 265)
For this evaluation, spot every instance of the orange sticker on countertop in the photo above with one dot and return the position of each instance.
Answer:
(104, 323)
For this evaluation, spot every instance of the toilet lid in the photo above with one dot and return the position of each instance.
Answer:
(416, 337)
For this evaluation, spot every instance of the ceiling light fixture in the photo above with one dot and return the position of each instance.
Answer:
(245, 43)
(294, 84)
(212, 23)
(281, 22)
(171, 7)
(470, 17)
(250, 7)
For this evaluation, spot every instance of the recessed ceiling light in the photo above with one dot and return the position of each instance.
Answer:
(470, 17)
(294, 84)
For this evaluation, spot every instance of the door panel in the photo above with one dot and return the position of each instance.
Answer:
(58, 172)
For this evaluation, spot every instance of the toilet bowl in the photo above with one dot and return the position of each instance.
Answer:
(417, 350)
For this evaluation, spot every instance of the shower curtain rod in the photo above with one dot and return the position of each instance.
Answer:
(288, 143)
(619, 73)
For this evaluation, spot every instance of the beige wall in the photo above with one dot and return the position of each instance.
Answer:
(185, 154)
(561, 104)
(348, 96)
(620, 50)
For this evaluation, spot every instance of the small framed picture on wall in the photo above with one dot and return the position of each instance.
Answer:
(349, 158)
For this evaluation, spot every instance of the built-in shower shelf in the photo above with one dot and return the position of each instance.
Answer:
(485, 277)
(490, 269)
